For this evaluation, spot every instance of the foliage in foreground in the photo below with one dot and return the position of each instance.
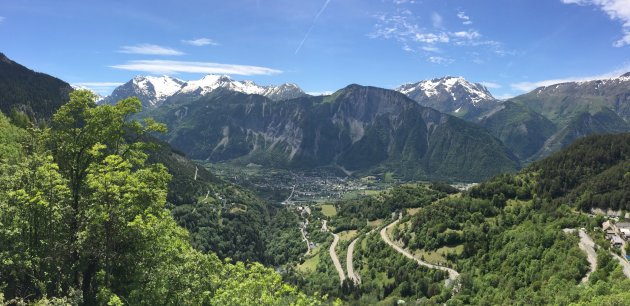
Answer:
(82, 221)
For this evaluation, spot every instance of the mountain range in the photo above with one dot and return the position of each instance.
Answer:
(549, 118)
(154, 91)
(356, 129)
(444, 128)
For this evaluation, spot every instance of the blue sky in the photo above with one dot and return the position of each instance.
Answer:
(322, 45)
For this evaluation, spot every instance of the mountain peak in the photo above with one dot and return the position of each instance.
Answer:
(625, 75)
(449, 94)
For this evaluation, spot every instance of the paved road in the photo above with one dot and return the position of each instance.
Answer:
(624, 264)
(349, 266)
(587, 245)
(452, 274)
(308, 244)
(335, 259)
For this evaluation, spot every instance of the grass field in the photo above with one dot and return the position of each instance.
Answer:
(347, 235)
(329, 210)
(351, 195)
(438, 256)
(375, 223)
(310, 264)
(413, 211)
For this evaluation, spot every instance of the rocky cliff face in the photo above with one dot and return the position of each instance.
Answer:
(357, 129)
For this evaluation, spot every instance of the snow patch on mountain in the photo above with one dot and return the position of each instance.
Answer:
(161, 87)
(211, 82)
(153, 91)
(431, 88)
(454, 95)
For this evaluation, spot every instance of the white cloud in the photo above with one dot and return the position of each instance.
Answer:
(431, 38)
(506, 96)
(98, 84)
(200, 42)
(529, 86)
(101, 88)
(320, 93)
(436, 20)
(465, 19)
(2, 19)
(404, 1)
(404, 28)
(616, 10)
(149, 49)
(440, 60)
(431, 49)
(491, 85)
(469, 35)
(173, 67)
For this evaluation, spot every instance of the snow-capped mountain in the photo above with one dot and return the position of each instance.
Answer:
(211, 82)
(99, 97)
(453, 95)
(153, 91)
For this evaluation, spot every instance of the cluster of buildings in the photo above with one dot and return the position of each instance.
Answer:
(617, 233)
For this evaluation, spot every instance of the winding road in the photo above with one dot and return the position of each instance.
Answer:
(624, 264)
(349, 266)
(335, 259)
(587, 245)
(308, 243)
(452, 274)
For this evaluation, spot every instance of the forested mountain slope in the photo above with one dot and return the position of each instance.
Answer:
(504, 237)
(35, 94)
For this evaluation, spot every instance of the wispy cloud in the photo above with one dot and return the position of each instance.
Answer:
(440, 60)
(320, 93)
(506, 96)
(321, 11)
(529, 86)
(467, 35)
(437, 20)
(200, 42)
(173, 67)
(616, 10)
(149, 49)
(406, 30)
(404, 1)
(491, 85)
(2, 19)
(464, 18)
(98, 84)
(101, 88)
(430, 48)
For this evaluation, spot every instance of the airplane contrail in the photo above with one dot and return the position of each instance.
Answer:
(312, 25)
